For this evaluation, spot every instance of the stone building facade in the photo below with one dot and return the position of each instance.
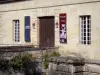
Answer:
(81, 25)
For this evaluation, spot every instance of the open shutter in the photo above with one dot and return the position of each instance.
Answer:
(27, 29)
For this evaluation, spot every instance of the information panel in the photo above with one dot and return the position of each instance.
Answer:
(62, 22)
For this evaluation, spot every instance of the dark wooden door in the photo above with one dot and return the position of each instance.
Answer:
(46, 31)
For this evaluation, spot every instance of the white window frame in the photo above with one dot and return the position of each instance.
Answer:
(16, 30)
(85, 29)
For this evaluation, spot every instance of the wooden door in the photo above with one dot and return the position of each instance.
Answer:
(46, 31)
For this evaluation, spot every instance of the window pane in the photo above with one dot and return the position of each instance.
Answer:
(84, 22)
(81, 26)
(88, 34)
(81, 34)
(88, 21)
(84, 26)
(89, 38)
(84, 38)
(89, 42)
(88, 17)
(84, 30)
(84, 42)
(84, 34)
(18, 28)
(88, 30)
(88, 26)
(84, 18)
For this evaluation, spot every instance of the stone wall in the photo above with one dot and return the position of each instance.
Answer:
(13, 73)
(73, 66)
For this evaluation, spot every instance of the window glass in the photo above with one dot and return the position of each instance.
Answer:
(16, 30)
(85, 29)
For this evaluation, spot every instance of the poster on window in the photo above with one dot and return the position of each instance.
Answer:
(62, 22)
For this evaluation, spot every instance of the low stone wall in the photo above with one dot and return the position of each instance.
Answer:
(11, 73)
(73, 66)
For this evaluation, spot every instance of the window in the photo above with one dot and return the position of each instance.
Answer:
(16, 30)
(85, 29)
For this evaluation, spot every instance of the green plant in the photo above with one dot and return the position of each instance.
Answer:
(46, 57)
(18, 62)
(55, 54)
(46, 60)
(26, 58)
